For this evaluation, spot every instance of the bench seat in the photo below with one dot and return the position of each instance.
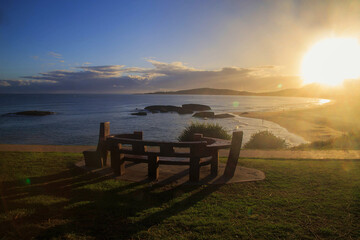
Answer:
(165, 160)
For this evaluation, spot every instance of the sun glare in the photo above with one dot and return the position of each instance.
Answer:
(331, 61)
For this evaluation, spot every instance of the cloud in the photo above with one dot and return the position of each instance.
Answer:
(55, 55)
(4, 83)
(18, 85)
(165, 76)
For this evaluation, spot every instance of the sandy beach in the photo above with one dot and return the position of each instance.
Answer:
(318, 123)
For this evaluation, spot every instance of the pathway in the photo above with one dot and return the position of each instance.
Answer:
(275, 154)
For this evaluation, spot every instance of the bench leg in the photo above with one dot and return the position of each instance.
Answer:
(214, 163)
(117, 162)
(153, 168)
(194, 169)
(234, 154)
(104, 157)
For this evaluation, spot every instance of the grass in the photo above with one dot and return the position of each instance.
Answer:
(45, 197)
(207, 129)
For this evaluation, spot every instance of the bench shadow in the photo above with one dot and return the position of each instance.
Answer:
(93, 206)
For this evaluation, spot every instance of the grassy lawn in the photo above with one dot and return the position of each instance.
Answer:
(44, 196)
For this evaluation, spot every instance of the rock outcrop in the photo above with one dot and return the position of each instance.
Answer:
(204, 115)
(224, 115)
(184, 109)
(162, 108)
(31, 113)
(142, 113)
(212, 115)
(196, 107)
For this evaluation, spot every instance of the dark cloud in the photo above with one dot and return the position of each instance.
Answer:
(164, 76)
(110, 68)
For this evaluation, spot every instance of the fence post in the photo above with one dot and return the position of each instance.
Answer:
(104, 132)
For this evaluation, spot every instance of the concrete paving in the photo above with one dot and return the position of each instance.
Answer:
(179, 175)
(269, 154)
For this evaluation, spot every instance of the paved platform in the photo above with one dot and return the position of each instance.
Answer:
(269, 154)
(44, 148)
(179, 175)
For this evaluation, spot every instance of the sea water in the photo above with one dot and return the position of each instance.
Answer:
(77, 117)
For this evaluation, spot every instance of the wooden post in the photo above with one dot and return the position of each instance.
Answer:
(153, 168)
(214, 162)
(117, 160)
(197, 137)
(138, 135)
(233, 154)
(195, 152)
(101, 147)
(194, 170)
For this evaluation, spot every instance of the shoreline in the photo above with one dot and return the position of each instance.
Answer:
(313, 123)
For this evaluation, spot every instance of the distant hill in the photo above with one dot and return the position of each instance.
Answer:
(207, 91)
(311, 90)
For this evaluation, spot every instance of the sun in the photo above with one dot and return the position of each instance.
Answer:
(331, 61)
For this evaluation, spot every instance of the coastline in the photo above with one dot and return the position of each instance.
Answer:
(315, 123)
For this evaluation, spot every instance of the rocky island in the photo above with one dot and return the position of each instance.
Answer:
(31, 113)
(198, 110)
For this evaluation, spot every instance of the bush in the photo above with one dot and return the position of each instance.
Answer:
(350, 140)
(207, 129)
(265, 140)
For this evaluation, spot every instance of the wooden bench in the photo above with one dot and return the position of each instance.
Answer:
(131, 147)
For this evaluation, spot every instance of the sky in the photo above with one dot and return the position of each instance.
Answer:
(144, 46)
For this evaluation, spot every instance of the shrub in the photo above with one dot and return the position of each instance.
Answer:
(207, 129)
(265, 140)
(350, 140)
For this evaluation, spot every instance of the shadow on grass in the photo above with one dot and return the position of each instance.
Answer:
(32, 201)
(356, 208)
(85, 204)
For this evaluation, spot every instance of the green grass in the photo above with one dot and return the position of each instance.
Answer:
(45, 197)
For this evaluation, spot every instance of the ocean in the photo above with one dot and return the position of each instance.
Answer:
(77, 117)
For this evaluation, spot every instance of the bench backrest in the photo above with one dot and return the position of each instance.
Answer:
(133, 144)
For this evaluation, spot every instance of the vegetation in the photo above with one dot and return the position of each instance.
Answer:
(45, 197)
(265, 140)
(346, 141)
(207, 129)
